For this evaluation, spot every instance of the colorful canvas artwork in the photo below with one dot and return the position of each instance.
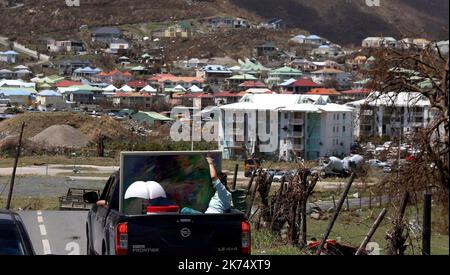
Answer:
(184, 176)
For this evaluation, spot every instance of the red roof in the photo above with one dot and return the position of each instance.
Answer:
(251, 83)
(356, 91)
(323, 91)
(137, 84)
(67, 83)
(159, 76)
(227, 94)
(304, 82)
(122, 94)
(198, 95)
(113, 72)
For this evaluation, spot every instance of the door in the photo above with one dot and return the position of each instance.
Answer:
(99, 216)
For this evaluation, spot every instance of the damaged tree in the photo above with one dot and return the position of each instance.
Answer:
(423, 74)
(289, 205)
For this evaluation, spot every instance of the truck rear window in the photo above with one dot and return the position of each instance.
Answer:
(185, 179)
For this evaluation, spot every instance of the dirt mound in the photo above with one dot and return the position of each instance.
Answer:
(62, 136)
(90, 126)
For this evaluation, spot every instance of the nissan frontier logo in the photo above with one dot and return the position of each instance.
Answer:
(185, 232)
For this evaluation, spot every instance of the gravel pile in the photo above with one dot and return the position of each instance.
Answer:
(62, 136)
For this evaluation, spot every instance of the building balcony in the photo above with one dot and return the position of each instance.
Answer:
(296, 121)
(295, 135)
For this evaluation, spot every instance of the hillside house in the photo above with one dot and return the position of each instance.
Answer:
(379, 42)
(114, 77)
(68, 46)
(105, 34)
(68, 66)
(9, 57)
(118, 46)
(214, 74)
(300, 86)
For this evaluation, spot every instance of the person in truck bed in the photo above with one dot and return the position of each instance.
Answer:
(221, 202)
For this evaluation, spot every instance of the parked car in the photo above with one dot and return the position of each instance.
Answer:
(14, 239)
(376, 163)
(278, 176)
(387, 169)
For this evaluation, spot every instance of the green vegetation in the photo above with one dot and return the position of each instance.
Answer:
(32, 203)
(62, 160)
(351, 228)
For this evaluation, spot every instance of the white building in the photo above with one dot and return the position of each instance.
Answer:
(379, 42)
(118, 45)
(327, 50)
(48, 99)
(304, 126)
(390, 115)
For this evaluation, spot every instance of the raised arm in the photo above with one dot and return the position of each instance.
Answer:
(212, 169)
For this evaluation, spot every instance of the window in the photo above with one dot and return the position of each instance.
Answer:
(334, 130)
(343, 117)
(337, 116)
(343, 129)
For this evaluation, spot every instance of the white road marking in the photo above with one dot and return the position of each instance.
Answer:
(46, 245)
(40, 219)
(39, 212)
(42, 229)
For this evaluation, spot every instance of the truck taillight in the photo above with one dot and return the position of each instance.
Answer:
(246, 238)
(122, 239)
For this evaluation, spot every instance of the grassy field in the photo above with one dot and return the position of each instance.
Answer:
(31, 203)
(350, 229)
(62, 160)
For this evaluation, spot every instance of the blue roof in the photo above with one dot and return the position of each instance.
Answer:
(49, 93)
(9, 53)
(15, 93)
(87, 70)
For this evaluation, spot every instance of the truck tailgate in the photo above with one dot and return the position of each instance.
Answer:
(175, 234)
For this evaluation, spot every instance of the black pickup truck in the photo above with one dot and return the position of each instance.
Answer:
(110, 232)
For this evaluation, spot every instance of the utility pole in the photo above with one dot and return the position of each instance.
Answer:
(11, 186)
(426, 227)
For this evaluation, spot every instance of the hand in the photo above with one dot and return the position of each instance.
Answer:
(210, 160)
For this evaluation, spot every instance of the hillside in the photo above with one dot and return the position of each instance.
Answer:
(49, 17)
(348, 22)
(37, 122)
(342, 21)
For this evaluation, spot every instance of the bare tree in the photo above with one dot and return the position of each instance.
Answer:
(423, 74)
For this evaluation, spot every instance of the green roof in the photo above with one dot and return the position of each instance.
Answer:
(149, 117)
(243, 77)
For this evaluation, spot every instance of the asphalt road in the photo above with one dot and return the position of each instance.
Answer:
(63, 232)
(56, 232)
